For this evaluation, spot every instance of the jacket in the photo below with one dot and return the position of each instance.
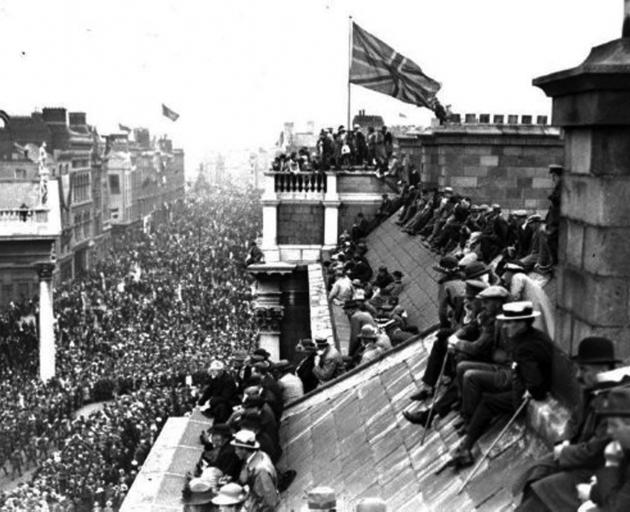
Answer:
(260, 475)
(329, 366)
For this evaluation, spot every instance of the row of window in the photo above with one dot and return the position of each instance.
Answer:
(81, 187)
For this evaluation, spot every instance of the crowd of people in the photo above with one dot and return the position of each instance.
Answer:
(137, 331)
(345, 149)
(448, 222)
(246, 399)
(493, 352)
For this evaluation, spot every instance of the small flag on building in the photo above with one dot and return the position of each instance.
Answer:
(123, 128)
(171, 114)
(377, 66)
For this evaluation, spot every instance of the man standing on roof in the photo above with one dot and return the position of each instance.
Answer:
(258, 474)
(328, 361)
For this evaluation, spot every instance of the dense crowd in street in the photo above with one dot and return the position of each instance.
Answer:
(139, 331)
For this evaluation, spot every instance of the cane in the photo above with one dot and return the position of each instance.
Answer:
(434, 399)
(496, 440)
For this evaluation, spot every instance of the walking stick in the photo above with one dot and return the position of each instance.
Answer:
(434, 399)
(496, 440)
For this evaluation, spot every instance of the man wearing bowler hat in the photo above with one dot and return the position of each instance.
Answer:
(304, 369)
(549, 484)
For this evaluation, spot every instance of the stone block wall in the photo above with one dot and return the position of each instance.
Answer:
(348, 212)
(300, 223)
(505, 164)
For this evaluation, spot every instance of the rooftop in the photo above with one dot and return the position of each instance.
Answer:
(352, 436)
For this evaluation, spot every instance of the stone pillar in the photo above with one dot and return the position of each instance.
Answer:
(46, 322)
(267, 303)
(592, 104)
(270, 220)
(331, 212)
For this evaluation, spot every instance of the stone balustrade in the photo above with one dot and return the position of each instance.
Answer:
(302, 182)
(23, 221)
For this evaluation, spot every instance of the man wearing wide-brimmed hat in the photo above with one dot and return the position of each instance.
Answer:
(531, 373)
(258, 474)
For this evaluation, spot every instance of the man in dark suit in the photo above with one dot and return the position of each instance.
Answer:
(218, 452)
(531, 375)
(549, 484)
(220, 393)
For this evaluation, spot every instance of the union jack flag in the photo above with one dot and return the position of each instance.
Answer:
(377, 66)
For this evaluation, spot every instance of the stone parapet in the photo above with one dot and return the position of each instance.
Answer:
(321, 322)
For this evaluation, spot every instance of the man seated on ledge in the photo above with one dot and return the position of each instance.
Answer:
(549, 484)
(531, 375)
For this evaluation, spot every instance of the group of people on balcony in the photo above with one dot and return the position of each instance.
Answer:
(246, 400)
(342, 149)
(449, 222)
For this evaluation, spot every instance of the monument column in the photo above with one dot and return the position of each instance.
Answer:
(46, 322)
(591, 102)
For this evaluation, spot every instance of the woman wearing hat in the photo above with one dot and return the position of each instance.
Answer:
(230, 498)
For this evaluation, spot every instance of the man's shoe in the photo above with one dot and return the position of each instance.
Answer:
(421, 395)
(286, 479)
(463, 459)
(417, 418)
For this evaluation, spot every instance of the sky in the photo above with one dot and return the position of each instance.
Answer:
(236, 70)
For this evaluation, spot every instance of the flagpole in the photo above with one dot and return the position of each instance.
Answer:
(349, 67)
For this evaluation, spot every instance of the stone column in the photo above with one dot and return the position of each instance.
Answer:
(592, 104)
(46, 322)
(331, 212)
(270, 202)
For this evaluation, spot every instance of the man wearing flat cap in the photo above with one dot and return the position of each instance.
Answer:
(549, 483)
(258, 473)
(220, 394)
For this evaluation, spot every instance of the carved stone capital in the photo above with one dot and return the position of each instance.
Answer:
(269, 318)
(45, 270)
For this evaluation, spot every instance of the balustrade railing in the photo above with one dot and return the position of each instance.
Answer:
(303, 182)
(30, 216)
